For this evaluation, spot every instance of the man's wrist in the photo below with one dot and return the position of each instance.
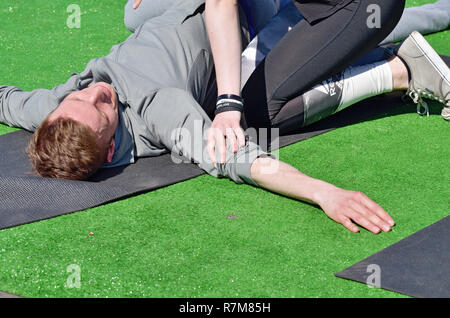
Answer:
(322, 191)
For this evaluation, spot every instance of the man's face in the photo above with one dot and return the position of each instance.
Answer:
(96, 107)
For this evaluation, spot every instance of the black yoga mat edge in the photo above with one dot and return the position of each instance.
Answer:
(358, 272)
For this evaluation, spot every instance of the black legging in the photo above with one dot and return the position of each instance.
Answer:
(310, 54)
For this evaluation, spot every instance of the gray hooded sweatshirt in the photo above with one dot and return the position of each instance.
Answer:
(162, 74)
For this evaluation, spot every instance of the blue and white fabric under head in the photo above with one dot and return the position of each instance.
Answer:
(259, 12)
(268, 37)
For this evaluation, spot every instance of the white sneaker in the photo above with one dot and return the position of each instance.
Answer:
(446, 113)
(430, 76)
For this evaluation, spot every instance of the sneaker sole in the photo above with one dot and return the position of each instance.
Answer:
(446, 114)
(431, 55)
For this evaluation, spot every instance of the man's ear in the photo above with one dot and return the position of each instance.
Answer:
(110, 153)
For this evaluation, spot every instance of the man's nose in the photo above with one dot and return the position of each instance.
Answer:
(95, 95)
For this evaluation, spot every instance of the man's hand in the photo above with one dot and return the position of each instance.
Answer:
(226, 124)
(345, 206)
(137, 3)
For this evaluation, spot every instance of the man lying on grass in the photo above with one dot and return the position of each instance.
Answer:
(145, 97)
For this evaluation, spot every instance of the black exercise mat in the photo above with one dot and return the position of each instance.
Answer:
(25, 198)
(418, 265)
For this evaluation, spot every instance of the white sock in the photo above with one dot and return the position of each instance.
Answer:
(365, 81)
(345, 89)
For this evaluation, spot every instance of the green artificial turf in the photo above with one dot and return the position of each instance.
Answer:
(179, 241)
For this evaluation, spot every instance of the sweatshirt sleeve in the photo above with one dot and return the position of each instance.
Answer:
(28, 109)
(179, 123)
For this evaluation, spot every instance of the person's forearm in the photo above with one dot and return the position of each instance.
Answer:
(343, 206)
(222, 20)
(284, 179)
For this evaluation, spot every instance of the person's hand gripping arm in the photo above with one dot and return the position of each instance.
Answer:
(222, 21)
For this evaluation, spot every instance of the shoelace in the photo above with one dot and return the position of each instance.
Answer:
(417, 96)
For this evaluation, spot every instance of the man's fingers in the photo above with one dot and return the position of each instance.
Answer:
(349, 225)
(360, 219)
(377, 209)
(137, 3)
(355, 207)
(370, 215)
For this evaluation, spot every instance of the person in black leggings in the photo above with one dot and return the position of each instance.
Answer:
(310, 53)
(333, 35)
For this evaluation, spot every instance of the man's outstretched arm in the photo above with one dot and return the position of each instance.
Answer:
(28, 109)
(341, 205)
